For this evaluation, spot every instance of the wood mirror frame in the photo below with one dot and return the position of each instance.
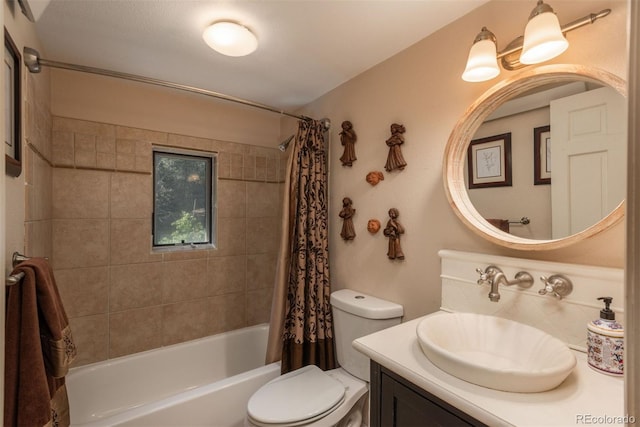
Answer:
(464, 130)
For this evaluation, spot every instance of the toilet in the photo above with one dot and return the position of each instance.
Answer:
(311, 397)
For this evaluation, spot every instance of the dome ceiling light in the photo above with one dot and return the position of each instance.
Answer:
(230, 38)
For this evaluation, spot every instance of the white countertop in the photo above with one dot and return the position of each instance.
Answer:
(582, 399)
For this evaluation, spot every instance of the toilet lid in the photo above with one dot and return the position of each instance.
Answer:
(296, 396)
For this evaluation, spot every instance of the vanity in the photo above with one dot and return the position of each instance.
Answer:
(408, 389)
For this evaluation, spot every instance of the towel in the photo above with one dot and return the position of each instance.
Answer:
(38, 349)
(502, 224)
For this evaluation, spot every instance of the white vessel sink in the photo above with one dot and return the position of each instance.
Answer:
(493, 352)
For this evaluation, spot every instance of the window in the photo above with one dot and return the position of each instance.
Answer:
(183, 198)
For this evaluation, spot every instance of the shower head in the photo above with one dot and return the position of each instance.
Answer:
(284, 144)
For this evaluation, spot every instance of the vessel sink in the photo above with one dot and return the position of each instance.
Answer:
(493, 352)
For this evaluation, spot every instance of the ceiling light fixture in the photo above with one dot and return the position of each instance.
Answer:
(230, 38)
(543, 40)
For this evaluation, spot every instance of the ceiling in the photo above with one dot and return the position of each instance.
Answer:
(306, 47)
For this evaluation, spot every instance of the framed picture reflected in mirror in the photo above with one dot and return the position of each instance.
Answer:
(542, 155)
(489, 161)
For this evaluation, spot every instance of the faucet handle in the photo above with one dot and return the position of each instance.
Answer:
(557, 285)
(484, 277)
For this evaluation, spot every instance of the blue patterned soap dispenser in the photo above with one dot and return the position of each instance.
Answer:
(605, 342)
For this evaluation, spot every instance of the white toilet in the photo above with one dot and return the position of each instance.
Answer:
(311, 397)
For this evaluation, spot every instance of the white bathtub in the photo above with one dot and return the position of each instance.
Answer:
(202, 382)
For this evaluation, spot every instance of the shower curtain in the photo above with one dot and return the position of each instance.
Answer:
(301, 331)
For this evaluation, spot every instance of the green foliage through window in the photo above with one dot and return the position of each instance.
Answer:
(182, 199)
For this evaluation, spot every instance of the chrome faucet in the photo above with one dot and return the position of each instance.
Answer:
(493, 276)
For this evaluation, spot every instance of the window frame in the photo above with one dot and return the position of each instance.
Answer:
(212, 182)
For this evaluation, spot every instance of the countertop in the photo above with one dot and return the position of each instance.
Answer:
(585, 397)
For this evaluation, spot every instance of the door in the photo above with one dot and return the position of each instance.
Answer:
(588, 159)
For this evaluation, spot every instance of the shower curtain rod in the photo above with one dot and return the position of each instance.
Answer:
(34, 63)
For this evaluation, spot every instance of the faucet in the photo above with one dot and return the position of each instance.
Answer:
(493, 276)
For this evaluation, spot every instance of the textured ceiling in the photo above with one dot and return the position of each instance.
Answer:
(306, 47)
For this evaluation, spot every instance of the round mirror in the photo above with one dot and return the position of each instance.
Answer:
(498, 173)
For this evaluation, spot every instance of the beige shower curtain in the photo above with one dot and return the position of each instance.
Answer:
(301, 331)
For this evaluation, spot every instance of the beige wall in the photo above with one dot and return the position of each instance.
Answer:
(421, 88)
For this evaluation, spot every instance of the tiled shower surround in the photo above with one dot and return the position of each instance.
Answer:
(122, 297)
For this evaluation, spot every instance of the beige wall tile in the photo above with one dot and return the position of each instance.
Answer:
(91, 337)
(190, 142)
(135, 286)
(185, 321)
(106, 144)
(86, 159)
(131, 241)
(143, 164)
(125, 162)
(228, 312)
(224, 165)
(232, 237)
(105, 161)
(249, 167)
(84, 291)
(82, 126)
(262, 199)
(259, 306)
(170, 297)
(80, 194)
(186, 254)
(184, 280)
(126, 146)
(272, 169)
(232, 199)
(38, 238)
(261, 168)
(237, 165)
(141, 134)
(262, 235)
(135, 330)
(62, 149)
(84, 142)
(38, 189)
(131, 195)
(80, 243)
(261, 270)
(227, 274)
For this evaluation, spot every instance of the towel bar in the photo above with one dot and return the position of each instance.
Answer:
(16, 259)
(14, 279)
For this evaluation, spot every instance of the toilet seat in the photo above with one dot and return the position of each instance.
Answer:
(296, 398)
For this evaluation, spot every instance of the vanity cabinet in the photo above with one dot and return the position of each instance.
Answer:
(399, 403)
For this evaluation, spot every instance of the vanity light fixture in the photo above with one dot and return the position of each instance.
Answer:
(543, 40)
(230, 38)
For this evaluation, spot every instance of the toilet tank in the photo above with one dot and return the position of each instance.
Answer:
(355, 315)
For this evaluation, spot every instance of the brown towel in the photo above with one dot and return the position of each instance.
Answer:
(502, 224)
(38, 349)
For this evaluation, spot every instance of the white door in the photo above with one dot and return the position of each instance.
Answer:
(588, 158)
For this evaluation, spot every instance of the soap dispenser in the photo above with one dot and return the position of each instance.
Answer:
(605, 342)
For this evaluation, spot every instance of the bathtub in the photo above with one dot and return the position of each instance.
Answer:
(202, 382)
